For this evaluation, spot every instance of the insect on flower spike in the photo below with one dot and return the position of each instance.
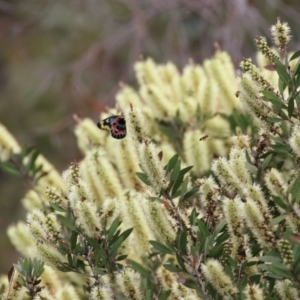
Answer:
(115, 124)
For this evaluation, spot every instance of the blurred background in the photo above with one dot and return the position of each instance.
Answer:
(65, 57)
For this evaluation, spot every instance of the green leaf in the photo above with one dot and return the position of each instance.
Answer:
(185, 170)
(274, 99)
(66, 222)
(64, 269)
(113, 228)
(180, 262)
(277, 220)
(182, 241)
(30, 165)
(116, 245)
(138, 267)
(202, 228)
(216, 251)
(274, 119)
(170, 267)
(10, 169)
(168, 131)
(73, 240)
(176, 185)
(280, 203)
(295, 55)
(171, 163)
(99, 271)
(161, 248)
(280, 165)
(184, 186)
(219, 227)
(57, 207)
(121, 257)
(143, 177)
(280, 270)
(190, 193)
(280, 148)
(295, 190)
(282, 71)
(291, 106)
(176, 170)
(296, 264)
(164, 295)
(282, 86)
(266, 161)
(269, 258)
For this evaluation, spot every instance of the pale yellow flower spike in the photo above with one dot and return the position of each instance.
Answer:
(152, 166)
(214, 274)
(8, 145)
(234, 220)
(281, 34)
(159, 220)
(101, 293)
(225, 174)
(171, 77)
(196, 152)
(192, 77)
(125, 157)
(146, 72)
(128, 96)
(44, 294)
(136, 124)
(129, 283)
(89, 135)
(87, 218)
(207, 96)
(286, 290)
(257, 223)
(161, 104)
(18, 236)
(253, 292)
(294, 140)
(133, 216)
(32, 200)
(187, 108)
(110, 209)
(222, 70)
(103, 178)
(67, 292)
(237, 161)
(53, 177)
(275, 183)
(51, 280)
(49, 254)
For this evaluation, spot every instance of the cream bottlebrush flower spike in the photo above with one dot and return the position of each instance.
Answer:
(257, 223)
(129, 283)
(281, 34)
(214, 273)
(294, 140)
(88, 135)
(222, 70)
(254, 292)
(256, 75)
(286, 290)
(265, 49)
(8, 144)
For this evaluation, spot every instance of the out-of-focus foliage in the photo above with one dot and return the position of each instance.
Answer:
(63, 57)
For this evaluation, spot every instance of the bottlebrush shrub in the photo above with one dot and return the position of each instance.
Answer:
(199, 201)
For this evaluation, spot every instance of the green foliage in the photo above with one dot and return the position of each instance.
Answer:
(25, 164)
(30, 271)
